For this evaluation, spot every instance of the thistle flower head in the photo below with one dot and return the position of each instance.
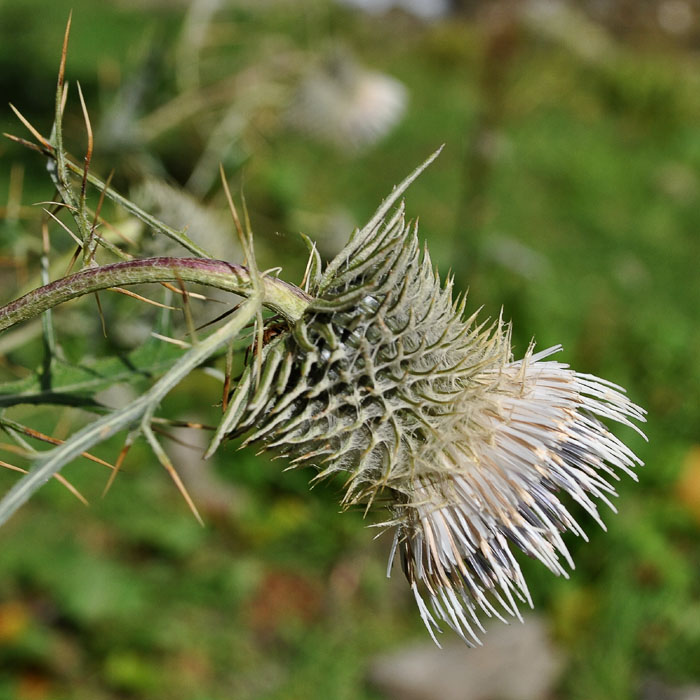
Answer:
(473, 452)
(346, 105)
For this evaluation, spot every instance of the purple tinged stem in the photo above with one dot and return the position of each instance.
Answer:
(280, 296)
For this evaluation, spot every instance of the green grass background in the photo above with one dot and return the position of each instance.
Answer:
(596, 172)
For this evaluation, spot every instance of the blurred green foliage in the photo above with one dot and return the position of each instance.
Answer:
(568, 193)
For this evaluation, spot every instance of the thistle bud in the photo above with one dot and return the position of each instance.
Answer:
(385, 381)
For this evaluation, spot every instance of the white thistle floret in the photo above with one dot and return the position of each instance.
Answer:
(384, 380)
(539, 438)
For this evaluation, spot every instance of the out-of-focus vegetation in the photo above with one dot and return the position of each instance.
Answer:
(568, 194)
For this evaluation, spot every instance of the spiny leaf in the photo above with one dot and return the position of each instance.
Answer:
(75, 385)
(144, 406)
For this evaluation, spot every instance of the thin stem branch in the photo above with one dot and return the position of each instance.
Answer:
(278, 295)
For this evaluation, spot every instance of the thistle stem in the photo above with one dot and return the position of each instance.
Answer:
(278, 295)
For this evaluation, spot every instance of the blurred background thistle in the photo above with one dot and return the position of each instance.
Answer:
(567, 193)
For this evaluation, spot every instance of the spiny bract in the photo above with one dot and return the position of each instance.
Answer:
(385, 380)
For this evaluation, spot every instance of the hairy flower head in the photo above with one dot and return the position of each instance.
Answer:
(386, 381)
(345, 105)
